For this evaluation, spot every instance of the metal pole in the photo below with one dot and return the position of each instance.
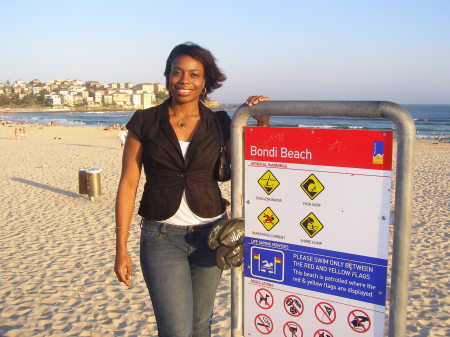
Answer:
(406, 134)
(237, 211)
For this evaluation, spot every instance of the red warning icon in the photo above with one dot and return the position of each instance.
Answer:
(293, 305)
(325, 313)
(292, 329)
(359, 321)
(323, 333)
(264, 298)
(263, 324)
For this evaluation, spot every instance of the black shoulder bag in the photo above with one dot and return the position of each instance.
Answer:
(222, 170)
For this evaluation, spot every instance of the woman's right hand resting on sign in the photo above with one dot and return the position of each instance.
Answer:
(253, 100)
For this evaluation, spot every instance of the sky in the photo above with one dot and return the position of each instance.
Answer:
(288, 50)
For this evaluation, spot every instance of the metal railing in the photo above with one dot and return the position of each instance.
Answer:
(406, 137)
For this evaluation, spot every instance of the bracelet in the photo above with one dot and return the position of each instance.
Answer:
(123, 228)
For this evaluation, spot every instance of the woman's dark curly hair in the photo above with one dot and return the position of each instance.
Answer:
(213, 74)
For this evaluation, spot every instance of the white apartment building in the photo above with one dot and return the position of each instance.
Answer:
(88, 100)
(121, 98)
(107, 99)
(18, 83)
(136, 100)
(145, 87)
(97, 95)
(148, 100)
(68, 100)
(53, 99)
(78, 100)
(159, 87)
(125, 91)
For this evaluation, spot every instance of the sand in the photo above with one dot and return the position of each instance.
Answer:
(57, 247)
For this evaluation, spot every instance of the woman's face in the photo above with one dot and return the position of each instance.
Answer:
(186, 79)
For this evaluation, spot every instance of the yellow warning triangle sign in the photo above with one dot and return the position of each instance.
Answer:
(311, 225)
(312, 186)
(268, 182)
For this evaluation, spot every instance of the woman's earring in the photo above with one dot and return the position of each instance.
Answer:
(204, 91)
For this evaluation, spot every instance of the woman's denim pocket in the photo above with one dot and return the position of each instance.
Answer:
(151, 232)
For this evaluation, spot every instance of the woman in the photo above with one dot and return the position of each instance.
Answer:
(177, 142)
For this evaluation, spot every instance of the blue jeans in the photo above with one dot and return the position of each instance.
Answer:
(181, 276)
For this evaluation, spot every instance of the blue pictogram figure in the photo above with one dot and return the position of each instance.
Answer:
(267, 263)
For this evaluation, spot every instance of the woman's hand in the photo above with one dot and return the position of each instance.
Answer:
(252, 100)
(123, 268)
(126, 196)
(260, 120)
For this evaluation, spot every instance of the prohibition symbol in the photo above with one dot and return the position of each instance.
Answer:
(359, 321)
(293, 305)
(325, 313)
(312, 186)
(268, 219)
(311, 225)
(292, 329)
(264, 298)
(263, 324)
(323, 333)
(268, 182)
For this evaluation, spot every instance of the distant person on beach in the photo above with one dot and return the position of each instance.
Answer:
(177, 143)
(122, 136)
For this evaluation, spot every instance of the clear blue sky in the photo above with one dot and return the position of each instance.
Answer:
(288, 50)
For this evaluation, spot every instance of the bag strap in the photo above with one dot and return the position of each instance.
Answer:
(219, 129)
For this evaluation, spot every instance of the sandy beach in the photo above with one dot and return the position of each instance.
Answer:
(57, 247)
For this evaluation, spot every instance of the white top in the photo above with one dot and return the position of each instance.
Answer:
(184, 216)
(123, 135)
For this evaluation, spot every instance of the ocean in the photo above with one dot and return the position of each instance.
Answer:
(432, 120)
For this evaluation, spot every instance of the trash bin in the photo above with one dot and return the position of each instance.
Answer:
(93, 183)
(82, 183)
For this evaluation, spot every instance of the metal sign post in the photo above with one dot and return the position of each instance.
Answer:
(403, 197)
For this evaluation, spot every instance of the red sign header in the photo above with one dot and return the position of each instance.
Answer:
(325, 147)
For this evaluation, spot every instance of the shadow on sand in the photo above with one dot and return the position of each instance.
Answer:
(46, 187)
(87, 145)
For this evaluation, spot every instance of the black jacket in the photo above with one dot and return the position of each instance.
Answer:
(168, 174)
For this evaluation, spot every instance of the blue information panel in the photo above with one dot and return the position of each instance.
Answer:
(346, 275)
